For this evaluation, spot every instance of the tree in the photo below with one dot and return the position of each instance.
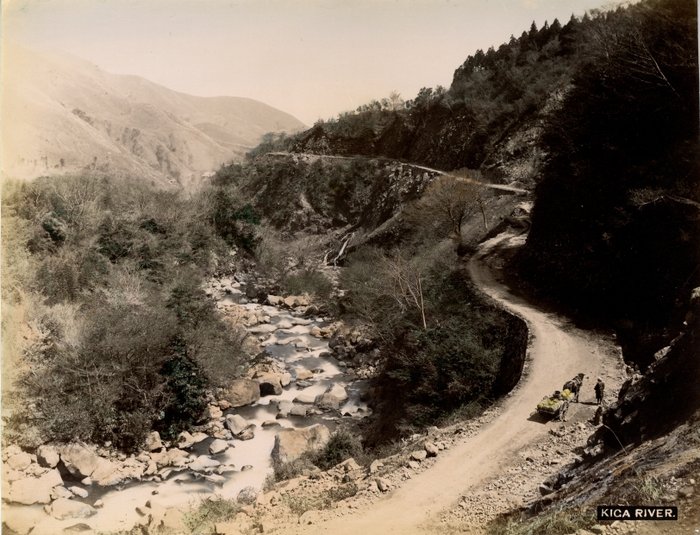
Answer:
(447, 204)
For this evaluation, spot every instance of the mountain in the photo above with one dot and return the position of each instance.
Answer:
(62, 114)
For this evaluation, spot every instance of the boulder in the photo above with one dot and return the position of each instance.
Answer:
(19, 461)
(290, 444)
(212, 412)
(283, 408)
(270, 384)
(274, 300)
(218, 446)
(79, 492)
(294, 301)
(242, 392)
(199, 437)
(382, 484)
(350, 465)
(285, 379)
(10, 450)
(431, 449)
(31, 490)
(374, 466)
(263, 328)
(203, 464)
(247, 496)
(305, 397)
(108, 474)
(303, 374)
(153, 441)
(162, 520)
(23, 519)
(237, 424)
(63, 508)
(298, 410)
(419, 455)
(60, 492)
(79, 460)
(246, 434)
(332, 399)
(185, 440)
(172, 457)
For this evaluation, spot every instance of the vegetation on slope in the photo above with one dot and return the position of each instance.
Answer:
(121, 338)
(492, 95)
(615, 225)
(444, 348)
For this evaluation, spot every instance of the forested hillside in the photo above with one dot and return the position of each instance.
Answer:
(615, 228)
(488, 118)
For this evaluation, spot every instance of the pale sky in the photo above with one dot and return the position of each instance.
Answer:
(310, 58)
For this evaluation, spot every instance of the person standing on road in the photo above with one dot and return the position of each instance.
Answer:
(599, 391)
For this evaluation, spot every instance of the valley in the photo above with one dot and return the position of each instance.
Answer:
(217, 321)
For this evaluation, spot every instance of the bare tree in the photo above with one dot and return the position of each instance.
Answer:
(448, 203)
(407, 284)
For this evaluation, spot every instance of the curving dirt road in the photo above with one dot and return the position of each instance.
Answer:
(500, 187)
(556, 353)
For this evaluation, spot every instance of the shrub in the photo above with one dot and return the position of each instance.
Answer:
(308, 281)
(201, 519)
(341, 446)
(185, 394)
(283, 471)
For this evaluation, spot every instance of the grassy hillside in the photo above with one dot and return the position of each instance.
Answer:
(66, 115)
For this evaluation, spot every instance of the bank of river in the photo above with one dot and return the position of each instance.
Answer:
(294, 344)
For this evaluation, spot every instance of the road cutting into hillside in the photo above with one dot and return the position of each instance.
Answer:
(489, 185)
(557, 351)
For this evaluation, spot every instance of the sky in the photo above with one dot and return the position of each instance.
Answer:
(311, 58)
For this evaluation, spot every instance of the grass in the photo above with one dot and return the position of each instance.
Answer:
(555, 522)
(301, 503)
(201, 519)
(645, 490)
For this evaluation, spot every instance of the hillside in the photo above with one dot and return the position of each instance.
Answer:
(62, 114)
(491, 117)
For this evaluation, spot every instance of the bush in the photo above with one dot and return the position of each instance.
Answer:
(442, 344)
(283, 471)
(308, 281)
(201, 520)
(341, 446)
(185, 394)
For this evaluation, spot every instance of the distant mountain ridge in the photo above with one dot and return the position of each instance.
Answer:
(62, 114)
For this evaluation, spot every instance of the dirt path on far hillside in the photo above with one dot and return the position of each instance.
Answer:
(557, 352)
(501, 187)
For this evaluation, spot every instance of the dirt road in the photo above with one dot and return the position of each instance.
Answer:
(557, 352)
(500, 187)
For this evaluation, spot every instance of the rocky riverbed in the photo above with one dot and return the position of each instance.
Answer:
(291, 399)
